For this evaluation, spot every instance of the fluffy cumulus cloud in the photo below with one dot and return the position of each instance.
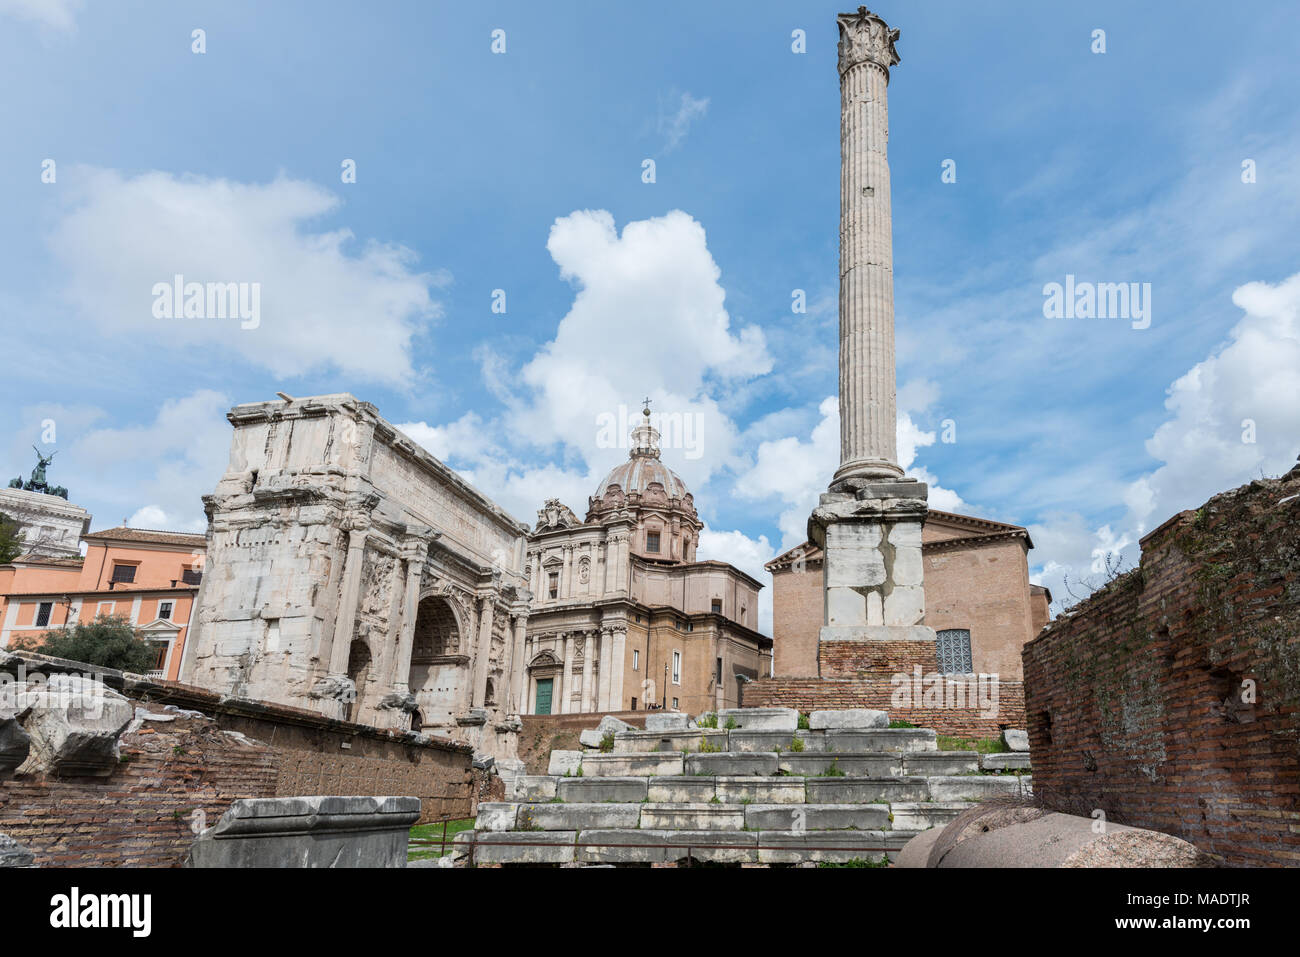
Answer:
(324, 301)
(149, 474)
(794, 471)
(648, 318)
(1233, 416)
(747, 554)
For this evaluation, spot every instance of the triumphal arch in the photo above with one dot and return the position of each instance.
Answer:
(351, 573)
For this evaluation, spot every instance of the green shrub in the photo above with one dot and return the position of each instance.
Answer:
(796, 743)
(803, 722)
(109, 642)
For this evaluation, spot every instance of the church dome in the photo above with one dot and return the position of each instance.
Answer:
(638, 474)
(643, 468)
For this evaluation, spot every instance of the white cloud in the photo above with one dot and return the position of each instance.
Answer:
(648, 318)
(54, 14)
(323, 305)
(747, 554)
(675, 125)
(154, 473)
(796, 472)
(1248, 388)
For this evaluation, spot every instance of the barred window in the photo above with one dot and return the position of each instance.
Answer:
(191, 576)
(124, 574)
(954, 651)
(43, 613)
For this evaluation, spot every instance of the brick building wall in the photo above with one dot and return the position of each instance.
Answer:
(861, 674)
(1140, 700)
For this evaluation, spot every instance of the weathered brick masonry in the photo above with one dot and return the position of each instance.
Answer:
(172, 769)
(1138, 700)
(860, 674)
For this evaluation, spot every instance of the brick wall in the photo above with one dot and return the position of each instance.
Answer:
(1137, 700)
(543, 733)
(140, 816)
(860, 674)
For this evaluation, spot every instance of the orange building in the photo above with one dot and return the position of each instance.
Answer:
(149, 578)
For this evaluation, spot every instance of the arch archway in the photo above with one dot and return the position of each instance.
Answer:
(440, 673)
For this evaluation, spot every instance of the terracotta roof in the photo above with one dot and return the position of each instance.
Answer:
(30, 559)
(147, 536)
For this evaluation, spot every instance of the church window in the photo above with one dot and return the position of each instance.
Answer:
(652, 541)
(553, 584)
(717, 606)
(677, 668)
(953, 648)
(636, 661)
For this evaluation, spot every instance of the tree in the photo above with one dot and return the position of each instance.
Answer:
(11, 539)
(109, 642)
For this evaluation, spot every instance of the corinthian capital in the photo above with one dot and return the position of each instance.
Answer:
(865, 38)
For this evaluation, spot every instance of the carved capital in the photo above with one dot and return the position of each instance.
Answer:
(865, 38)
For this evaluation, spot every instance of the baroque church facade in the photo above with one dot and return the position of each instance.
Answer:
(624, 617)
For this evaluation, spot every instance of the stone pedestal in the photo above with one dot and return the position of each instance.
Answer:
(871, 540)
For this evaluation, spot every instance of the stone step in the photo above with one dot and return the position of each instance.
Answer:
(1008, 761)
(631, 764)
(879, 765)
(927, 763)
(585, 790)
(817, 817)
(693, 817)
(760, 790)
(575, 817)
(755, 763)
(654, 845)
(875, 740)
(978, 787)
(847, 790)
(923, 815)
(646, 741)
(775, 740)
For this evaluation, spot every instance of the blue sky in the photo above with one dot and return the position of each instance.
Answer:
(522, 171)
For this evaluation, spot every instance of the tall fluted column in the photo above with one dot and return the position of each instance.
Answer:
(399, 674)
(345, 621)
(868, 443)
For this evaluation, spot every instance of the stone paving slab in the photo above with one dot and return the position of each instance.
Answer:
(881, 765)
(848, 718)
(733, 763)
(760, 790)
(848, 790)
(817, 817)
(587, 790)
(577, 817)
(644, 764)
(687, 817)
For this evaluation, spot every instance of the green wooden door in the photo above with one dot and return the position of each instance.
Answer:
(544, 695)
